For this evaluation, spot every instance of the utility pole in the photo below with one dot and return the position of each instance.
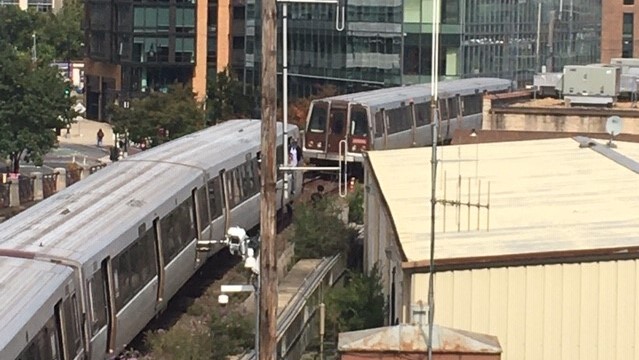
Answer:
(268, 265)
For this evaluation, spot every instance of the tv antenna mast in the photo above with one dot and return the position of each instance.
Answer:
(614, 124)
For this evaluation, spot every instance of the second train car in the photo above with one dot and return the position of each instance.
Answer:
(400, 117)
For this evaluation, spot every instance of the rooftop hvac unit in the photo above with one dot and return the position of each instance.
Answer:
(591, 84)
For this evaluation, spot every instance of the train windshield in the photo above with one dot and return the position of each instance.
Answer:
(317, 123)
(359, 121)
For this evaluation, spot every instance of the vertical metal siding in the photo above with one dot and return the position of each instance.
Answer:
(563, 311)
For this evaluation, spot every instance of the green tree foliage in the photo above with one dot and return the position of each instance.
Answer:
(176, 111)
(356, 205)
(226, 335)
(58, 36)
(32, 106)
(319, 232)
(226, 99)
(358, 305)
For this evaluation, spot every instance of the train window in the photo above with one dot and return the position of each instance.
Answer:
(422, 114)
(379, 124)
(135, 267)
(215, 197)
(71, 325)
(97, 301)
(337, 120)
(203, 209)
(44, 345)
(317, 122)
(177, 230)
(250, 179)
(359, 121)
(399, 119)
(453, 107)
(472, 104)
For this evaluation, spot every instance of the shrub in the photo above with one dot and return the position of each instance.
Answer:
(360, 304)
(180, 343)
(356, 205)
(234, 334)
(319, 232)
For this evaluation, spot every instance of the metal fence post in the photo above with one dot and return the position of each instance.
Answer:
(38, 192)
(14, 193)
(61, 180)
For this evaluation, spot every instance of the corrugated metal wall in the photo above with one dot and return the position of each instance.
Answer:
(379, 235)
(565, 311)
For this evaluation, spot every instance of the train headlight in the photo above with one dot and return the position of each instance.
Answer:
(354, 148)
(311, 143)
(319, 144)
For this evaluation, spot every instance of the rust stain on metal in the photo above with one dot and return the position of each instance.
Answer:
(412, 339)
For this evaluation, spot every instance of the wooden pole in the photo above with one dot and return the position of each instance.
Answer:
(268, 265)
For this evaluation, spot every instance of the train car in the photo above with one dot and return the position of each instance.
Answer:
(82, 272)
(342, 127)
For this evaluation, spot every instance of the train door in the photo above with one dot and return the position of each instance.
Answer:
(107, 269)
(359, 129)
(160, 262)
(315, 136)
(68, 323)
(337, 125)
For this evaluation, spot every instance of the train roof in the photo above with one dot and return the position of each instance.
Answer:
(25, 287)
(80, 221)
(421, 92)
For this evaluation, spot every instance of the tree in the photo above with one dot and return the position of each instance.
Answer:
(360, 304)
(298, 109)
(58, 36)
(32, 106)
(319, 231)
(226, 99)
(159, 116)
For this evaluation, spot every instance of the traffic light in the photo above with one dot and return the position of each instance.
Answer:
(67, 91)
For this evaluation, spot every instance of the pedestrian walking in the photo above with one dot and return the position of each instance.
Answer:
(294, 158)
(100, 137)
(317, 196)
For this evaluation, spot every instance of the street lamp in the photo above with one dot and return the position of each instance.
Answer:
(339, 26)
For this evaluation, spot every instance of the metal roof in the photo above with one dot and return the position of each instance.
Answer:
(547, 197)
(409, 338)
(421, 92)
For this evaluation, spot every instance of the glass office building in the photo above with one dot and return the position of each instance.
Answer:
(389, 42)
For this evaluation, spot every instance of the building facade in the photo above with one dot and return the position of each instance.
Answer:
(388, 43)
(39, 5)
(619, 36)
(527, 261)
(135, 47)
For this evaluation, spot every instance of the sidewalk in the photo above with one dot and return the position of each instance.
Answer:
(85, 132)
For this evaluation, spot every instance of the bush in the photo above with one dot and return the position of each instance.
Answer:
(180, 343)
(360, 304)
(319, 232)
(356, 205)
(234, 334)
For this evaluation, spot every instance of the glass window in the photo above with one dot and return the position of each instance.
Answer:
(359, 121)
(337, 120)
(185, 19)
(203, 209)
(422, 114)
(177, 229)
(163, 19)
(184, 50)
(379, 124)
(317, 123)
(97, 300)
(215, 198)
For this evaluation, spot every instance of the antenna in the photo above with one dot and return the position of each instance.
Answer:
(458, 203)
(614, 124)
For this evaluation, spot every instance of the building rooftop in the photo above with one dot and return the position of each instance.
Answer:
(413, 339)
(548, 199)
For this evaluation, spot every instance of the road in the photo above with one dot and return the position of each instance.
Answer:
(65, 154)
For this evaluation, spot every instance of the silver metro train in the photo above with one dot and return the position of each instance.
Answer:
(82, 272)
(344, 126)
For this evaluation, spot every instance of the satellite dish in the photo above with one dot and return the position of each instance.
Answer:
(614, 124)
